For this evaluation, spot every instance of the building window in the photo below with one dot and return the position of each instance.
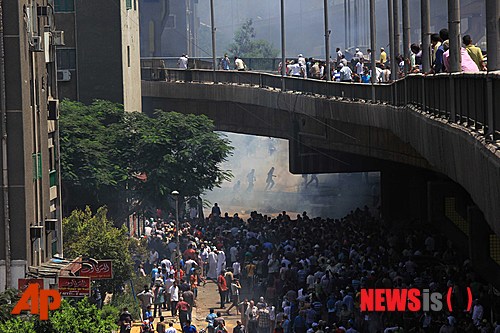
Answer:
(66, 59)
(129, 4)
(64, 5)
(37, 166)
(128, 55)
(135, 4)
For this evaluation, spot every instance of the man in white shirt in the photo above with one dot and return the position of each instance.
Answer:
(236, 269)
(174, 298)
(239, 64)
(182, 63)
(359, 67)
(345, 73)
(358, 54)
(301, 60)
(294, 70)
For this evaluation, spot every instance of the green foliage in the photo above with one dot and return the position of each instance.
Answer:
(126, 300)
(74, 317)
(7, 301)
(103, 149)
(245, 45)
(95, 236)
(16, 325)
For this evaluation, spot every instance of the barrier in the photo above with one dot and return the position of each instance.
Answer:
(469, 99)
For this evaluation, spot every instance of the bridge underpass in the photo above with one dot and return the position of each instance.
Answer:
(431, 169)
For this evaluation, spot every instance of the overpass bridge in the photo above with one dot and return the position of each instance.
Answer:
(434, 138)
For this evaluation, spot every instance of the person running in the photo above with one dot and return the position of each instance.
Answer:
(183, 308)
(251, 180)
(235, 295)
(222, 286)
(269, 180)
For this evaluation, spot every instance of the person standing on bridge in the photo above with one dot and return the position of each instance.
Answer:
(225, 63)
(345, 73)
(239, 64)
(182, 63)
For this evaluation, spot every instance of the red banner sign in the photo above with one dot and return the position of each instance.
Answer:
(102, 270)
(22, 284)
(74, 286)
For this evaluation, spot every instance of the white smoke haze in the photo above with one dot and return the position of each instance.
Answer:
(334, 195)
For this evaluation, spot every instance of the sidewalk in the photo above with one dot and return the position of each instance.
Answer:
(208, 297)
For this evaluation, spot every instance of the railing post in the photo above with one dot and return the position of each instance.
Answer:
(490, 108)
(452, 100)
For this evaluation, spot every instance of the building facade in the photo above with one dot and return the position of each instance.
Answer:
(100, 58)
(30, 228)
(169, 28)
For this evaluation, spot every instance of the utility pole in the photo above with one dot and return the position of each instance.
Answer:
(345, 25)
(178, 261)
(283, 54)
(214, 55)
(357, 23)
(426, 33)
(493, 34)
(392, 54)
(373, 43)
(395, 20)
(327, 43)
(406, 33)
(5, 170)
(454, 32)
(349, 35)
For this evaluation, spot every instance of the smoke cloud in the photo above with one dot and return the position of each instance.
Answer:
(333, 195)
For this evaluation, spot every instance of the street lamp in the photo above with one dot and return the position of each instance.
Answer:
(175, 194)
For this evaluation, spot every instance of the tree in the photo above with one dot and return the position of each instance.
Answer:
(246, 46)
(94, 236)
(103, 149)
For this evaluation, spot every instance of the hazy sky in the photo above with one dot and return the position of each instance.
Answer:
(305, 24)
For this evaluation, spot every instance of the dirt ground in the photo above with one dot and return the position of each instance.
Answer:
(208, 297)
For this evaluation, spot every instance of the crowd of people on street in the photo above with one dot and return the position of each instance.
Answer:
(304, 275)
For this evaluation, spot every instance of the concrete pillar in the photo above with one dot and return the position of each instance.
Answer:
(426, 34)
(283, 51)
(327, 43)
(392, 55)
(455, 39)
(404, 193)
(373, 45)
(493, 34)
(395, 18)
(406, 32)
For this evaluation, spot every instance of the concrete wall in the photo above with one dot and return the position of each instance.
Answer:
(400, 135)
(30, 84)
(131, 58)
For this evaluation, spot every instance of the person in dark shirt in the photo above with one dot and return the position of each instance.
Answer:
(239, 328)
(188, 328)
(125, 321)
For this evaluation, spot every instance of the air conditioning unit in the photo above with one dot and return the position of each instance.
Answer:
(58, 38)
(63, 75)
(36, 45)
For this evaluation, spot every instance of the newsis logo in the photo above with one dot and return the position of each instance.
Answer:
(411, 299)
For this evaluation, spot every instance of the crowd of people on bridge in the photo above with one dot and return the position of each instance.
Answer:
(302, 274)
(356, 67)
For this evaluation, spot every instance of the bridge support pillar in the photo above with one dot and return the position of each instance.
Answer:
(403, 193)
(453, 212)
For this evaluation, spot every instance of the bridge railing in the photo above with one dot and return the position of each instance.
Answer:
(471, 100)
